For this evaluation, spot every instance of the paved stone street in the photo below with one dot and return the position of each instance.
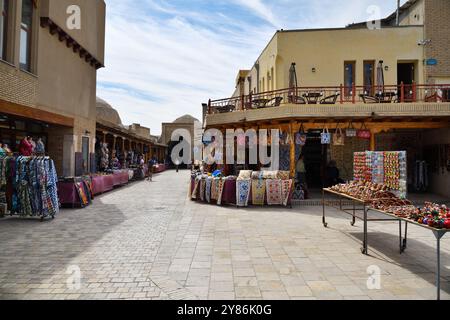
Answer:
(148, 241)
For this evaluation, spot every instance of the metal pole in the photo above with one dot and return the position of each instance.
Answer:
(438, 235)
(400, 235)
(365, 242)
(398, 13)
(323, 205)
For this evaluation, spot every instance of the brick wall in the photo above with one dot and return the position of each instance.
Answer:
(437, 29)
(17, 86)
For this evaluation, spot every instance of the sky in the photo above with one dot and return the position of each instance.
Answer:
(164, 58)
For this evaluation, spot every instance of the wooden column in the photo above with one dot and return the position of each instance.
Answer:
(373, 145)
(292, 145)
(104, 136)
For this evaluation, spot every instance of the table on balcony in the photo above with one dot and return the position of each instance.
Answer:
(312, 97)
(386, 97)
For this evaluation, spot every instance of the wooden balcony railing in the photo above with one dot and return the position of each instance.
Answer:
(402, 93)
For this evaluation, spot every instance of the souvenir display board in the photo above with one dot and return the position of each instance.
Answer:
(388, 168)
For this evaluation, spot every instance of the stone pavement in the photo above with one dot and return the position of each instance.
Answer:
(148, 241)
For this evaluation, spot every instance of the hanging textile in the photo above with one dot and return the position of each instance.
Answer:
(215, 189)
(28, 186)
(221, 186)
(202, 189)
(194, 193)
(285, 158)
(258, 192)
(274, 192)
(242, 192)
(286, 186)
(208, 189)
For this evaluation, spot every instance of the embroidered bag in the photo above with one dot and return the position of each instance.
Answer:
(364, 133)
(351, 131)
(338, 138)
(325, 136)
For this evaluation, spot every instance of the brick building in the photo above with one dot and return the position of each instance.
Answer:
(48, 74)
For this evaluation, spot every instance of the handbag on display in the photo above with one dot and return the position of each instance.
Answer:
(351, 131)
(301, 137)
(339, 137)
(325, 136)
(364, 133)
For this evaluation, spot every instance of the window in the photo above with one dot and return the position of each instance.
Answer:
(26, 34)
(349, 77)
(369, 77)
(3, 27)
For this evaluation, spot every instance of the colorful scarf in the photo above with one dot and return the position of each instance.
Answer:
(221, 187)
(274, 193)
(208, 190)
(242, 192)
(286, 186)
(258, 192)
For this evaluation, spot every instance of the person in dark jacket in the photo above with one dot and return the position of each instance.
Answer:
(333, 175)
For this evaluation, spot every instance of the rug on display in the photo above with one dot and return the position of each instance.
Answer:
(286, 186)
(208, 189)
(221, 185)
(258, 192)
(274, 192)
(194, 193)
(242, 192)
(202, 189)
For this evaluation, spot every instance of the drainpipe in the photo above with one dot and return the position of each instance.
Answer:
(257, 76)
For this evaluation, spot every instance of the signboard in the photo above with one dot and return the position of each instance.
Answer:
(432, 62)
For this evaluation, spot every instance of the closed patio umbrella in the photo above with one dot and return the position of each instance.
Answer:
(380, 78)
(293, 83)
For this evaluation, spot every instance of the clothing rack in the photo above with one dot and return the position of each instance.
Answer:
(28, 186)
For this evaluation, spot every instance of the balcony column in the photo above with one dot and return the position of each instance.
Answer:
(292, 145)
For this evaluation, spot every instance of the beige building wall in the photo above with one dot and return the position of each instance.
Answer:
(327, 50)
(415, 15)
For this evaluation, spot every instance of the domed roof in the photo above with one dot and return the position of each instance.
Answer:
(107, 113)
(186, 119)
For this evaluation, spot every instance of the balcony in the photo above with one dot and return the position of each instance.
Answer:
(328, 102)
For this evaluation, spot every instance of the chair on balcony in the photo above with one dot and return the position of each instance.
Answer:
(275, 102)
(226, 109)
(297, 100)
(369, 99)
(330, 99)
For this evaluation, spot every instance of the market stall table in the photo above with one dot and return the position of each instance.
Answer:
(438, 233)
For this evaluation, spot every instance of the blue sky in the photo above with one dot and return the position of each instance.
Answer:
(165, 57)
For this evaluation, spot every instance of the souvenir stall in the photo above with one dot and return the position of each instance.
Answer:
(380, 189)
(257, 188)
(28, 187)
(388, 168)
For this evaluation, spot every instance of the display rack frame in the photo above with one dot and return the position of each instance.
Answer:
(438, 233)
